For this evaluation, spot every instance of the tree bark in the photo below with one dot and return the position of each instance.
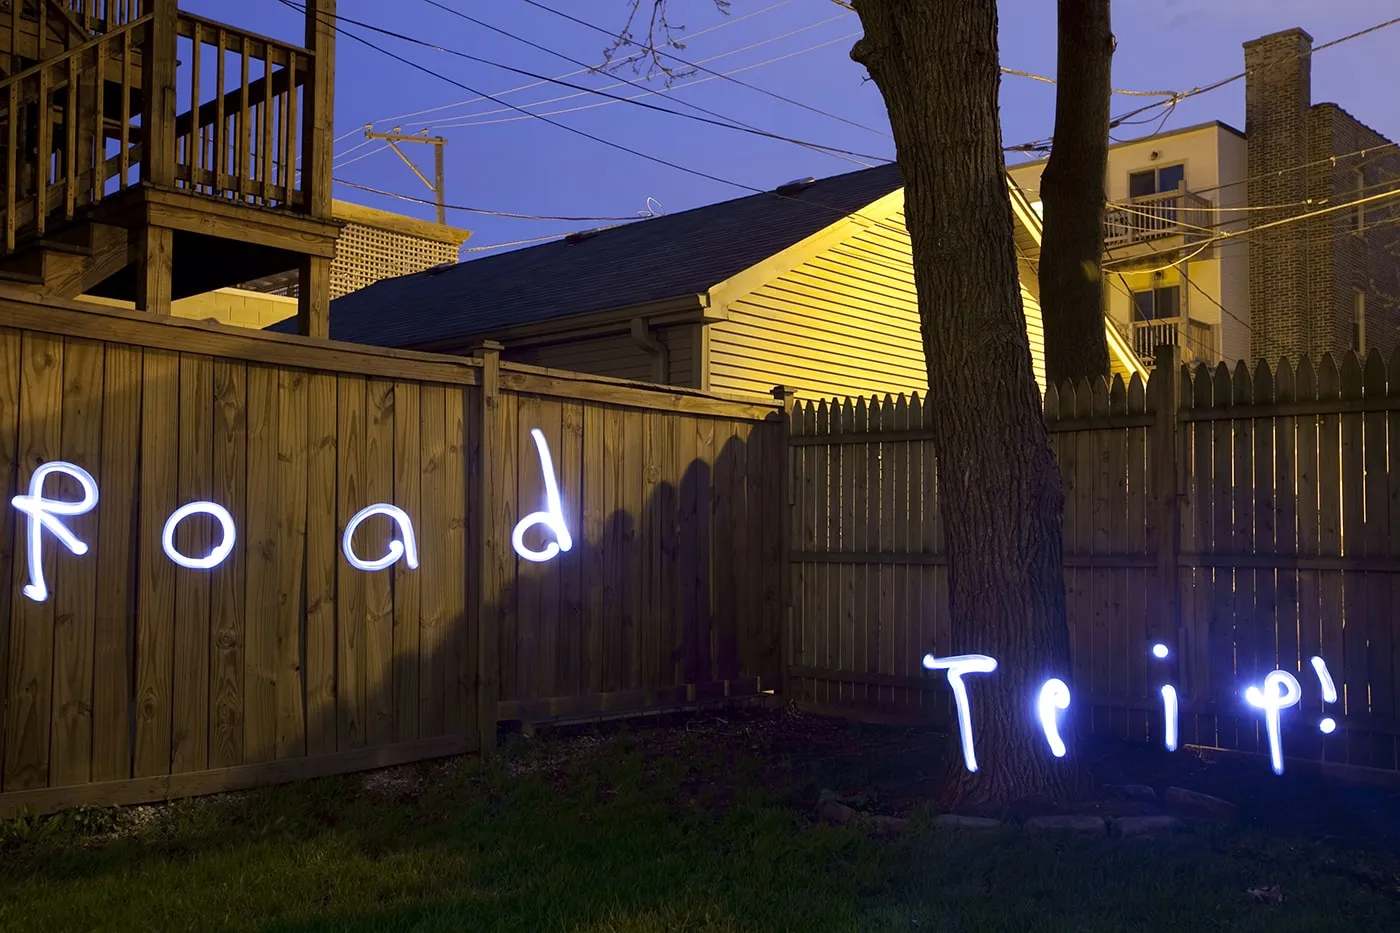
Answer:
(999, 486)
(1072, 191)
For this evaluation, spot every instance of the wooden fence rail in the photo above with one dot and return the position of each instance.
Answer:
(139, 679)
(1248, 518)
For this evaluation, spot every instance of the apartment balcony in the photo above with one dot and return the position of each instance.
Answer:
(1195, 339)
(1157, 223)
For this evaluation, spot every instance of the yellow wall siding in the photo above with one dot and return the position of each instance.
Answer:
(844, 323)
(235, 306)
(616, 355)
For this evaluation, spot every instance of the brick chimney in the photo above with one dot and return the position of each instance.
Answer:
(1278, 98)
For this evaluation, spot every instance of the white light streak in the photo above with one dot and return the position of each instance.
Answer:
(1159, 651)
(49, 513)
(1280, 691)
(1324, 677)
(1169, 716)
(215, 557)
(1054, 696)
(552, 517)
(406, 549)
(957, 666)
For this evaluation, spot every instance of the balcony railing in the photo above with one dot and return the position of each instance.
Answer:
(1196, 340)
(1156, 216)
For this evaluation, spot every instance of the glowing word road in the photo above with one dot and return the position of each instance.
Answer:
(46, 514)
(1279, 692)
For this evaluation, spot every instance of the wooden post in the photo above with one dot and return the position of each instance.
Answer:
(785, 396)
(1166, 460)
(154, 252)
(313, 289)
(158, 118)
(489, 546)
(437, 184)
(314, 297)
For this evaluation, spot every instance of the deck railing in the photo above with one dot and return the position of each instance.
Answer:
(1170, 213)
(243, 140)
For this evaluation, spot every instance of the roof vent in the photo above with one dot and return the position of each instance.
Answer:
(439, 269)
(795, 185)
(581, 235)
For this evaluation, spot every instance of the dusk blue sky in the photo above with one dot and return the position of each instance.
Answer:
(506, 162)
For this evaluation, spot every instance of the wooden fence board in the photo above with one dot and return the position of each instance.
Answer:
(1378, 621)
(635, 484)
(432, 637)
(459, 712)
(372, 541)
(195, 537)
(1306, 512)
(291, 479)
(855, 638)
(594, 475)
(29, 692)
(114, 620)
(726, 525)
(155, 602)
(824, 505)
(701, 669)
(1354, 649)
(1329, 469)
(617, 531)
(260, 599)
(1135, 607)
(407, 622)
(351, 687)
(322, 562)
(11, 543)
(75, 590)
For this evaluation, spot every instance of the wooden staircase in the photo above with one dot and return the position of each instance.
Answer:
(109, 191)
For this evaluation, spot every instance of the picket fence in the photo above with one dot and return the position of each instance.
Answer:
(1248, 518)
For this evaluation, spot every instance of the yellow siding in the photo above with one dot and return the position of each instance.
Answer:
(235, 306)
(616, 355)
(844, 323)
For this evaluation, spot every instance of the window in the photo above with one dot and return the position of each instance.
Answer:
(1157, 304)
(1358, 322)
(1156, 180)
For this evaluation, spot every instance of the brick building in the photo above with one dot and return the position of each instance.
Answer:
(1331, 282)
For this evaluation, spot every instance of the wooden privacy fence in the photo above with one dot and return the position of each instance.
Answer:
(138, 679)
(1249, 519)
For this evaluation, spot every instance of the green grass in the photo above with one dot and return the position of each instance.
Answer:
(620, 836)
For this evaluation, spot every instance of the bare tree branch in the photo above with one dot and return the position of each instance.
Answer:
(661, 34)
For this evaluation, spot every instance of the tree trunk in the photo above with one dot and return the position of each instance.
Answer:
(936, 65)
(1072, 190)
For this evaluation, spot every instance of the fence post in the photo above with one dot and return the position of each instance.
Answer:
(1166, 458)
(785, 396)
(488, 544)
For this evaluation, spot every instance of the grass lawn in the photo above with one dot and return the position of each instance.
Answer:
(705, 825)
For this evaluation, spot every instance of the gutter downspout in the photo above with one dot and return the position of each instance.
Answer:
(644, 338)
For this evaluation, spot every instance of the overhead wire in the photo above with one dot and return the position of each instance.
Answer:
(698, 67)
(473, 210)
(593, 69)
(832, 150)
(606, 87)
(659, 90)
(847, 156)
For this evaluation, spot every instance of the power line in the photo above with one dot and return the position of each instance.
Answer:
(660, 90)
(535, 45)
(637, 103)
(525, 87)
(1043, 144)
(745, 48)
(698, 67)
(472, 210)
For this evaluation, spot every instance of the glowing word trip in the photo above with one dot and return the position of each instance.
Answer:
(1279, 691)
(46, 514)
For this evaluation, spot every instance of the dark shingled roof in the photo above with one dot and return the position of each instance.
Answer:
(650, 260)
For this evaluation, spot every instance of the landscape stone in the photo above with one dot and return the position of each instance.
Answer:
(888, 824)
(1194, 803)
(834, 812)
(965, 822)
(1130, 826)
(1133, 792)
(1067, 823)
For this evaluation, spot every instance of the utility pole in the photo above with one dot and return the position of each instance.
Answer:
(437, 142)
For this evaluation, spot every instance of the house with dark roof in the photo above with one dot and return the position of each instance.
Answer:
(810, 286)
